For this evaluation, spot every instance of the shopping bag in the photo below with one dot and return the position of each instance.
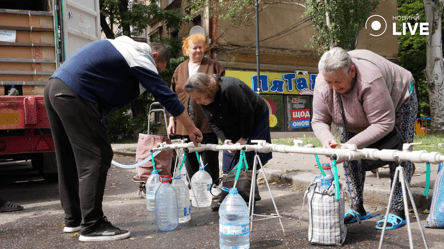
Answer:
(326, 215)
(163, 160)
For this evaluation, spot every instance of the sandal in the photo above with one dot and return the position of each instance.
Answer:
(393, 219)
(356, 216)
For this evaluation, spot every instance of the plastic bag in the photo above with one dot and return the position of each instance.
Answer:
(436, 216)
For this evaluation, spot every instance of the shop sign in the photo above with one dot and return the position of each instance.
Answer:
(300, 124)
(299, 114)
(287, 83)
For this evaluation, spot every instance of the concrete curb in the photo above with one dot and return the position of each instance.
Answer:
(125, 153)
(302, 180)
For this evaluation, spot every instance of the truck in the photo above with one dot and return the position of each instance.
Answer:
(36, 36)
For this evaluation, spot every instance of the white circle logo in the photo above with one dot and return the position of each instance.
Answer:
(376, 25)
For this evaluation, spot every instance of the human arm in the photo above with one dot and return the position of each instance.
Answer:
(322, 119)
(159, 89)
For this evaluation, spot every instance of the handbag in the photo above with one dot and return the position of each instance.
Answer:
(163, 160)
(391, 141)
(243, 184)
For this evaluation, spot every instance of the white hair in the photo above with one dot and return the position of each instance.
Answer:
(333, 60)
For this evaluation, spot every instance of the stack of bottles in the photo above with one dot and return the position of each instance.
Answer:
(234, 223)
(166, 205)
(183, 199)
(200, 188)
(151, 186)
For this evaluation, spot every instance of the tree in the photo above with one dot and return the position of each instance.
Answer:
(338, 22)
(434, 70)
(123, 17)
(411, 51)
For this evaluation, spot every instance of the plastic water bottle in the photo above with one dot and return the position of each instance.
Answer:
(150, 189)
(183, 199)
(234, 223)
(327, 169)
(200, 186)
(167, 215)
(325, 183)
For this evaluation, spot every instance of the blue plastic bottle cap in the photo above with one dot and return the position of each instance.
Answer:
(233, 191)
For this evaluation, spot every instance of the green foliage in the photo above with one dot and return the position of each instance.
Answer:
(237, 11)
(138, 16)
(411, 50)
(347, 18)
(176, 57)
(122, 126)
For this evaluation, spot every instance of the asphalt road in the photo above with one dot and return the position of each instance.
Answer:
(40, 224)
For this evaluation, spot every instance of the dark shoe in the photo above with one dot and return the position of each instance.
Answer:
(105, 232)
(215, 206)
(10, 207)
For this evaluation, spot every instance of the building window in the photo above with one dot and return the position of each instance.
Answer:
(174, 35)
(197, 21)
(275, 104)
(299, 112)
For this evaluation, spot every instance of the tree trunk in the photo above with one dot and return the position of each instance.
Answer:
(434, 69)
(105, 28)
(125, 26)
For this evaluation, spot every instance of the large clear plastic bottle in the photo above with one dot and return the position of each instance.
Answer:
(200, 186)
(150, 189)
(325, 183)
(234, 223)
(167, 215)
(183, 199)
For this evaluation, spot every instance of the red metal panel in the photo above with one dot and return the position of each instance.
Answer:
(30, 110)
(26, 144)
(21, 112)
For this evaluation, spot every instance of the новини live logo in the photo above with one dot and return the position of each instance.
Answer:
(378, 25)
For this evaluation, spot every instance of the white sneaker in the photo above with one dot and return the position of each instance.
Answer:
(71, 229)
(105, 232)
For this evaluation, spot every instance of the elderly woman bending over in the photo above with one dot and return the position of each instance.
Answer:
(234, 111)
(378, 96)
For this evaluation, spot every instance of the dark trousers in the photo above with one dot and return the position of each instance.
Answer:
(2, 202)
(210, 157)
(83, 152)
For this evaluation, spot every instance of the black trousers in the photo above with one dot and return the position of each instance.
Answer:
(210, 157)
(83, 152)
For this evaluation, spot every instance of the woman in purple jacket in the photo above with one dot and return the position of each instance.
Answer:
(378, 96)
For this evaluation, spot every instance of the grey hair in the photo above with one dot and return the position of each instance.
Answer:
(333, 60)
(203, 83)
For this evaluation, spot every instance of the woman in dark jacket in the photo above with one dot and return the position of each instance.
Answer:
(234, 111)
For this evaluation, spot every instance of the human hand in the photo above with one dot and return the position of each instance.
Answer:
(240, 141)
(171, 128)
(196, 136)
(330, 143)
